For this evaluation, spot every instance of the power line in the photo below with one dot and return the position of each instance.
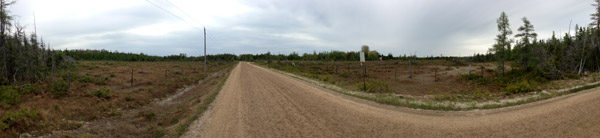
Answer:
(214, 34)
(177, 7)
(211, 37)
(165, 10)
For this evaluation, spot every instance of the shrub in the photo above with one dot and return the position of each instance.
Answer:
(85, 79)
(475, 78)
(59, 88)
(4, 81)
(101, 93)
(128, 98)
(25, 118)
(96, 79)
(471, 77)
(457, 62)
(346, 75)
(520, 87)
(326, 78)
(373, 86)
(9, 96)
(503, 81)
(28, 88)
(572, 76)
(149, 116)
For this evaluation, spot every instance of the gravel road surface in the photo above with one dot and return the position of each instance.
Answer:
(257, 102)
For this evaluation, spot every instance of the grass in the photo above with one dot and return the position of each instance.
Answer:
(21, 120)
(100, 91)
(104, 93)
(373, 86)
(9, 96)
(182, 128)
(58, 88)
(453, 106)
(480, 99)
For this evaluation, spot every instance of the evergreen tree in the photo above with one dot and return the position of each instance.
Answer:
(502, 46)
(596, 16)
(5, 24)
(523, 47)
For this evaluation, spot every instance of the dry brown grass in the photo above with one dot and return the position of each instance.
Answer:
(396, 75)
(101, 95)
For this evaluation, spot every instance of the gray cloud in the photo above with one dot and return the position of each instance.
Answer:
(428, 27)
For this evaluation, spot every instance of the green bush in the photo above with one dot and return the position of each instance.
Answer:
(58, 88)
(346, 75)
(25, 117)
(373, 86)
(96, 79)
(28, 88)
(129, 98)
(326, 78)
(471, 77)
(9, 96)
(520, 87)
(85, 79)
(475, 78)
(149, 116)
(4, 81)
(101, 93)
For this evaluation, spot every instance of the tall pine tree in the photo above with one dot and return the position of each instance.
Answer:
(523, 47)
(502, 47)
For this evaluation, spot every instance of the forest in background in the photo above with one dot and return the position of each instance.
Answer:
(28, 66)
(25, 57)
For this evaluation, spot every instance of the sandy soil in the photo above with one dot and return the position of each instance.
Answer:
(257, 102)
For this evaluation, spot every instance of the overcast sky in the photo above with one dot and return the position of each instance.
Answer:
(427, 27)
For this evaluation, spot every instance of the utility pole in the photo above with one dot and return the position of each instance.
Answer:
(205, 61)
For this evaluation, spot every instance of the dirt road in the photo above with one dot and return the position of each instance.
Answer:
(257, 102)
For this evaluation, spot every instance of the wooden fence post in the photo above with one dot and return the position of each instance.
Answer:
(482, 71)
(435, 76)
(395, 74)
(336, 69)
(469, 69)
(410, 68)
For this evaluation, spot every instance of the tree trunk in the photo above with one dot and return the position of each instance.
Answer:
(2, 39)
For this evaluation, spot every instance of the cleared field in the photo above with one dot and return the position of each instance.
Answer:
(428, 76)
(102, 101)
(440, 80)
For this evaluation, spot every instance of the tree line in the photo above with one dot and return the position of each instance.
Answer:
(89, 54)
(556, 57)
(25, 57)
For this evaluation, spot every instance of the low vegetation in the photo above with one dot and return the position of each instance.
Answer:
(103, 90)
(435, 84)
(478, 99)
(523, 68)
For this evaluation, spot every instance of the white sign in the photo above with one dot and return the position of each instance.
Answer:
(362, 56)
